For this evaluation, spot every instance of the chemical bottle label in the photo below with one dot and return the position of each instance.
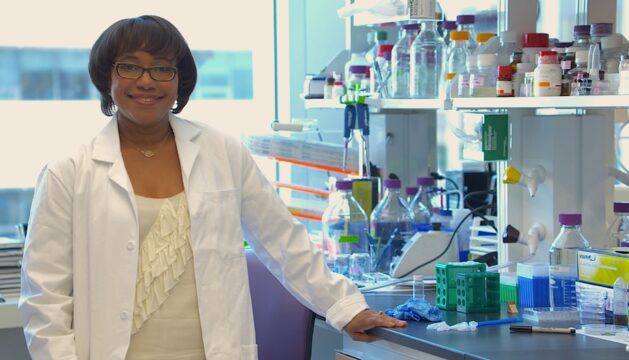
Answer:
(348, 239)
(504, 88)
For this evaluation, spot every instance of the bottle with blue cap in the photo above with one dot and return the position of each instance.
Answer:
(563, 261)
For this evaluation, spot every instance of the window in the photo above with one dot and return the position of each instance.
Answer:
(50, 107)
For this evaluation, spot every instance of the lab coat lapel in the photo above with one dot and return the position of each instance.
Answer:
(107, 149)
(194, 180)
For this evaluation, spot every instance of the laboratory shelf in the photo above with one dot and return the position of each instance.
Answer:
(406, 104)
(471, 103)
(380, 104)
(366, 19)
(549, 102)
(323, 104)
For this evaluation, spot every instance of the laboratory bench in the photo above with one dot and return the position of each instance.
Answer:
(487, 342)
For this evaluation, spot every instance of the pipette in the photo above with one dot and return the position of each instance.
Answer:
(349, 123)
(362, 115)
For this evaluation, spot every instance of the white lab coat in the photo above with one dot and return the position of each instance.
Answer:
(80, 260)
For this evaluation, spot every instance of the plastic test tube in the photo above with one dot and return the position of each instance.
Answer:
(418, 287)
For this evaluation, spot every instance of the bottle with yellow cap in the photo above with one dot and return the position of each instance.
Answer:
(482, 38)
(456, 61)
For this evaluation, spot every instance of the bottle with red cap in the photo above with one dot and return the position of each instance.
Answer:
(563, 261)
(381, 37)
(533, 43)
(504, 83)
(381, 71)
(547, 75)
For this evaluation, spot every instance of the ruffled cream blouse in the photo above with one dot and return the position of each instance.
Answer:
(166, 317)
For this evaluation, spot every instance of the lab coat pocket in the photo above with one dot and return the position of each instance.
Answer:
(249, 352)
(217, 216)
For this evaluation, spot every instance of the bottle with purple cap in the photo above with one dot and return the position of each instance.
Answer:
(466, 23)
(401, 62)
(563, 261)
(390, 226)
(426, 191)
(345, 230)
(618, 232)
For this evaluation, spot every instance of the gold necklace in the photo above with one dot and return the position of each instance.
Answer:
(147, 152)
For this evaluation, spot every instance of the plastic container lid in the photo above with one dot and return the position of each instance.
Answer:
(598, 29)
(425, 181)
(531, 270)
(570, 219)
(547, 57)
(392, 183)
(465, 19)
(459, 35)
(413, 26)
(621, 207)
(449, 25)
(535, 40)
(411, 190)
(384, 48)
(358, 69)
(604, 329)
(486, 59)
(508, 278)
(344, 184)
(581, 30)
(563, 45)
(504, 71)
(445, 212)
(509, 37)
(484, 37)
(382, 35)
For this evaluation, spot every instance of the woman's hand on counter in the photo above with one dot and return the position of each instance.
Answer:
(369, 319)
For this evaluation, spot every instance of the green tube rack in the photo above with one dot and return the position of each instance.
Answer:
(478, 292)
(446, 296)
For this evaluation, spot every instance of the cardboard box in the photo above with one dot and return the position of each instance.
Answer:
(603, 266)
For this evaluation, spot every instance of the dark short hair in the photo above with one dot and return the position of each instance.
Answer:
(150, 33)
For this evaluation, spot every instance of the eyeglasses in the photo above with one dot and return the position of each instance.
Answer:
(157, 73)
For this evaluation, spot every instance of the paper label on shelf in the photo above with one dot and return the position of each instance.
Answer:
(425, 9)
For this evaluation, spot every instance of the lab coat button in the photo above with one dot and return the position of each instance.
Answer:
(124, 315)
(131, 245)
